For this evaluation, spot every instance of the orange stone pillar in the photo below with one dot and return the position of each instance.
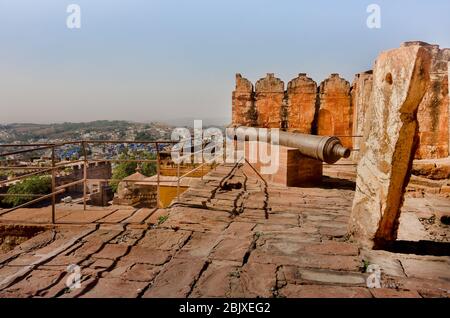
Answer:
(302, 93)
(269, 95)
(335, 113)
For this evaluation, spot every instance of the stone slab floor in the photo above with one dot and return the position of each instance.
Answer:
(231, 235)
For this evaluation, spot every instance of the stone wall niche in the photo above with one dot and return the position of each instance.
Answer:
(400, 79)
(269, 95)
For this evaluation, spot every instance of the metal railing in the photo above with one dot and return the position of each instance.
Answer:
(201, 166)
(85, 161)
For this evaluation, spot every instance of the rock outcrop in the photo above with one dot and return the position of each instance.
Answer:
(433, 140)
(340, 110)
(400, 80)
(360, 92)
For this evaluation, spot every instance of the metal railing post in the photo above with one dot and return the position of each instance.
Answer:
(83, 143)
(178, 181)
(56, 164)
(53, 186)
(158, 172)
(201, 161)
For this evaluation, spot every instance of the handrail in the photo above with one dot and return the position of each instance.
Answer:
(85, 161)
(257, 172)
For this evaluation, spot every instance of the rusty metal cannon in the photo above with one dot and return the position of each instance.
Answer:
(328, 149)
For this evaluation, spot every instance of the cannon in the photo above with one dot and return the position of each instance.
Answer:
(328, 149)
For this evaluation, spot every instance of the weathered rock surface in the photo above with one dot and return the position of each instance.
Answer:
(360, 92)
(401, 77)
(433, 111)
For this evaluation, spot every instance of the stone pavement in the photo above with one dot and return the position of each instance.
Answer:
(229, 236)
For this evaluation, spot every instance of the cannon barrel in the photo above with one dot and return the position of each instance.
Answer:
(324, 148)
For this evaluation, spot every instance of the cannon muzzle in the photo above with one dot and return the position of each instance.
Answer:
(328, 149)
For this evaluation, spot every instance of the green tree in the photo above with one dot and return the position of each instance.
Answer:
(32, 185)
(145, 135)
(3, 175)
(125, 169)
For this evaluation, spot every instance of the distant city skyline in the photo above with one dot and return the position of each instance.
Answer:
(175, 61)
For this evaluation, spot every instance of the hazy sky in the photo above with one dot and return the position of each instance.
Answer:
(147, 60)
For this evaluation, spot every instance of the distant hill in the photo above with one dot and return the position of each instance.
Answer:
(20, 132)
